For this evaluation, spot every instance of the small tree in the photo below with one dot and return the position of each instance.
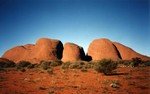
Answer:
(105, 66)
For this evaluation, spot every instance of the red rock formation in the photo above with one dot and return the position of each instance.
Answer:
(50, 49)
(127, 53)
(15, 54)
(72, 52)
(44, 49)
(102, 48)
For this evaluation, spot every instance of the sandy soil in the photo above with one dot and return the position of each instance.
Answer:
(74, 81)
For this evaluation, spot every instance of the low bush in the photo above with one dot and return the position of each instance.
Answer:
(124, 62)
(6, 64)
(65, 65)
(89, 65)
(23, 64)
(76, 65)
(47, 64)
(105, 66)
(22, 69)
(135, 62)
(131, 63)
(44, 65)
(146, 63)
(55, 63)
(31, 66)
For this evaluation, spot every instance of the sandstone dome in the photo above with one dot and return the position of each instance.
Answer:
(16, 54)
(72, 52)
(127, 53)
(103, 48)
(44, 49)
(48, 49)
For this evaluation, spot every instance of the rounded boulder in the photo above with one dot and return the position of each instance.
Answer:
(44, 49)
(72, 52)
(103, 48)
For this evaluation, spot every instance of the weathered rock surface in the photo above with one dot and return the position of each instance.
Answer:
(103, 48)
(50, 49)
(127, 53)
(44, 49)
(72, 52)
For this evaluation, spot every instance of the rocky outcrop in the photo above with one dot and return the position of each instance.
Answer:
(50, 49)
(103, 48)
(72, 52)
(127, 53)
(44, 49)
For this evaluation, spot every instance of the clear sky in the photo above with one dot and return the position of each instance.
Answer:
(77, 21)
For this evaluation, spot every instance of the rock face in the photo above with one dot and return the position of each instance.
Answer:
(103, 48)
(72, 52)
(50, 49)
(127, 53)
(16, 54)
(44, 49)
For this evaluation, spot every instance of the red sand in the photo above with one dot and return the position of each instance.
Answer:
(131, 81)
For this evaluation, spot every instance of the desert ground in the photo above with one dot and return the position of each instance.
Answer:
(126, 80)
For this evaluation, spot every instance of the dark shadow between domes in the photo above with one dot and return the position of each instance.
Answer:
(59, 50)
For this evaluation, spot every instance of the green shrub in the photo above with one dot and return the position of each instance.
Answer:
(124, 62)
(146, 63)
(89, 65)
(23, 64)
(76, 65)
(45, 65)
(7, 64)
(55, 63)
(135, 62)
(105, 66)
(65, 65)
(22, 69)
(31, 66)
(132, 63)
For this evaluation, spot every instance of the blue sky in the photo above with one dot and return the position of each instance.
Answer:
(77, 21)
